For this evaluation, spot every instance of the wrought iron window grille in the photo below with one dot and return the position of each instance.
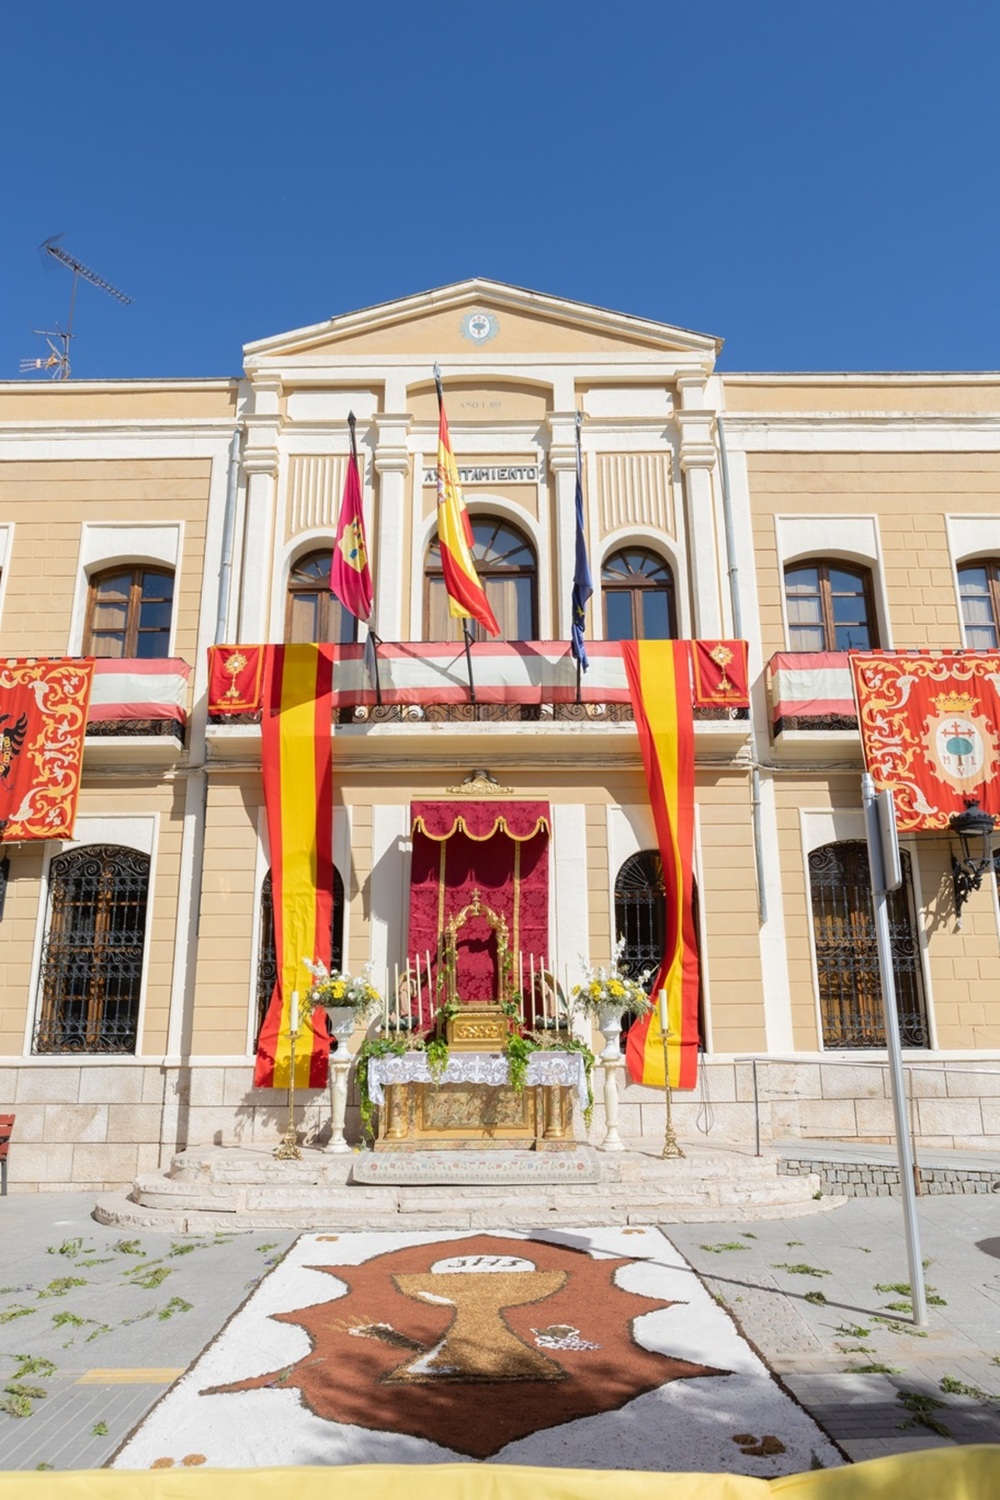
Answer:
(91, 969)
(847, 965)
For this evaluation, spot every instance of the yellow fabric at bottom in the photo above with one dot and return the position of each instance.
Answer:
(971, 1473)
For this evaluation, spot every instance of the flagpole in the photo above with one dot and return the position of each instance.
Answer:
(468, 659)
(579, 658)
(465, 624)
(372, 645)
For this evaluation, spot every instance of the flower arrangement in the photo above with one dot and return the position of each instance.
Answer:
(337, 990)
(608, 989)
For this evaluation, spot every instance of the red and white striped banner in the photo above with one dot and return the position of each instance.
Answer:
(811, 684)
(129, 688)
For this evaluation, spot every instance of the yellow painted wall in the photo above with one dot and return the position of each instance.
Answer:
(910, 494)
(49, 502)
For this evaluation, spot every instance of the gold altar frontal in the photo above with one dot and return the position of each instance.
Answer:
(419, 1116)
(475, 1116)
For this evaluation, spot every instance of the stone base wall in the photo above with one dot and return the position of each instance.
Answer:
(871, 1180)
(99, 1124)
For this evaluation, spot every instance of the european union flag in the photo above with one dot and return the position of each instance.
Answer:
(583, 584)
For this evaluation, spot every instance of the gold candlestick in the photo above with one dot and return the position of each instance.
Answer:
(287, 1148)
(670, 1144)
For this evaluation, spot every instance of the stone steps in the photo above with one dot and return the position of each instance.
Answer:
(228, 1188)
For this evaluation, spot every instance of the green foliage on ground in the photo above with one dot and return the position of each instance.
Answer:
(61, 1285)
(921, 1407)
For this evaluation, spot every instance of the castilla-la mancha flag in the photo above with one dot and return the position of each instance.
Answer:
(350, 575)
(466, 596)
(930, 729)
(660, 683)
(296, 757)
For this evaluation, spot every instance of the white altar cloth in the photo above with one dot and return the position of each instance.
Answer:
(563, 1068)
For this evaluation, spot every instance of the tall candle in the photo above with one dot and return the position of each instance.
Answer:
(664, 1016)
(293, 1019)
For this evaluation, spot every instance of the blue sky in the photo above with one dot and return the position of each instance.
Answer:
(815, 184)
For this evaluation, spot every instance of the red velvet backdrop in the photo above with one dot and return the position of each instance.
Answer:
(499, 848)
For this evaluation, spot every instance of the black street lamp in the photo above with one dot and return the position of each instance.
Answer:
(975, 829)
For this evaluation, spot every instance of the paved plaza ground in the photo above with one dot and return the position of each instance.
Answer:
(97, 1326)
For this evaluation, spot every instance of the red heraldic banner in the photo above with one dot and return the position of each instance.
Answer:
(296, 751)
(719, 673)
(235, 679)
(43, 720)
(930, 727)
(659, 681)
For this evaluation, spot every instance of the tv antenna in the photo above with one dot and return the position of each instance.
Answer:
(56, 362)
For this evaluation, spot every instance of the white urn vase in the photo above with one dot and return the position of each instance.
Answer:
(609, 1024)
(342, 1022)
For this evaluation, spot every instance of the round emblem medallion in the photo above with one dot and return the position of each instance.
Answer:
(479, 327)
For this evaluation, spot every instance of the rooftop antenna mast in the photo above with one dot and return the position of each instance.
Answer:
(57, 360)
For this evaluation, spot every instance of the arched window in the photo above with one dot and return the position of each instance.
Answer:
(979, 590)
(312, 613)
(639, 597)
(641, 920)
(129, 612)
(640, 912)
(850, 991)
(505, 562)
(830, 607)
(92, 956)
(267, 967)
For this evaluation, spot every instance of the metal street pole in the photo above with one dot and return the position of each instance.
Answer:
(883, 862)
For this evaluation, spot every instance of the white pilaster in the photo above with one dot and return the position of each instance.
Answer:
(695, 423)
(562, 463)
(260, 465)
(392, 464)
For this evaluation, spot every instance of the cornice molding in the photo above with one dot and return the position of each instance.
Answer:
(497, 293)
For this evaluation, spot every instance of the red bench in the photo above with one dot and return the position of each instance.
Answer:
(6, 1131)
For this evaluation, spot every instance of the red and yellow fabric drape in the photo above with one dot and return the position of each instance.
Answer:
(659, 680)
(298, 797)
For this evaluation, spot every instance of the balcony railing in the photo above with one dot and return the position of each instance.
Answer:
(811, 695)
(520, 681)
(134, 698)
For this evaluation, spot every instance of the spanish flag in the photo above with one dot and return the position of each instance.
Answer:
(659, 681)
(466, 595)
(296, 754)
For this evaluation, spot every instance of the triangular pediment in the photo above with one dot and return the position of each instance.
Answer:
(478, 315)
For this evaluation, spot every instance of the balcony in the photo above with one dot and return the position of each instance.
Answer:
(138, 711)
(812, 705)
(524, 690)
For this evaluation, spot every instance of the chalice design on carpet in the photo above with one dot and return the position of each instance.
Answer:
(474, 1342)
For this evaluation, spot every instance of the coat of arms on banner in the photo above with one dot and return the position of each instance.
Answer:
(960, 744)
(930, 727)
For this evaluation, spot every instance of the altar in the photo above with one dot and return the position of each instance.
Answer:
(473, 1104)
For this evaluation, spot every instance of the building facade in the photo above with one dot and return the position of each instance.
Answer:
(141, 521)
